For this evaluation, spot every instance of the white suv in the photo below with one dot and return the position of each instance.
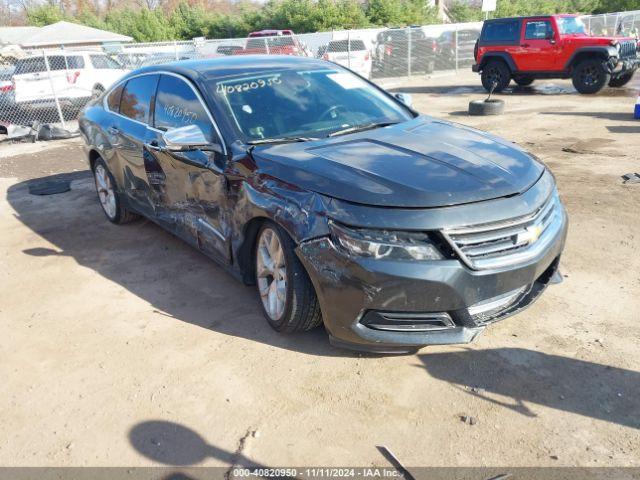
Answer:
(352, 54)
(74, 76)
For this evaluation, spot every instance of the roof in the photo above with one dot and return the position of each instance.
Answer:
(60, 33)
(15, 35)
(215, 68)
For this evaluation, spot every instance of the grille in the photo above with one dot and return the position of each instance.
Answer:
(509, 242)
(628, 49)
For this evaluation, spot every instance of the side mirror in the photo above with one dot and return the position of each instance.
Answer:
(405, 98)
(187, 138)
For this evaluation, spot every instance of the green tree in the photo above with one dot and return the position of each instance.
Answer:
(44, 14)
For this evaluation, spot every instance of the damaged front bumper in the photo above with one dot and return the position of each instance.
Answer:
(623, 66)
(397, 306)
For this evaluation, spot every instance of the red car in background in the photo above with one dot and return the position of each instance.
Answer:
(273, 42)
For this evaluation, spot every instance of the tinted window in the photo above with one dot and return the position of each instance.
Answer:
(113, 100)
(136, 97)
(30, 65)
(177, 106)
(104, 62)
(60, 62)
(343, 46)
(501, 31)
(538, 30)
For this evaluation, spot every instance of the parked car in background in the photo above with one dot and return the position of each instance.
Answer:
(455, 47)
(131, 60)
(6, 88)
(337, 200)
(555, 46)
(404, 51)
(350, 53)
(273, 42)
(228, 49)
(160, 58)
(74, 77)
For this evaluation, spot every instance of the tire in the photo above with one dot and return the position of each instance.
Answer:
(622, 80)
(523, 81)
(300, 310)
(494, 106)
(495, 71)
(115, 212)
(590, 76)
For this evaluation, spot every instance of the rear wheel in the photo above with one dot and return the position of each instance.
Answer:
(621, 80)
(108, 195)
(495, 75)
(288, 298)
(523, 81)
(590, 76)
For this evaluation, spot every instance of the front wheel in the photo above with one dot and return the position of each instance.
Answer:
(289, 301)
(523, 81)
(622, 80)
(590, 76)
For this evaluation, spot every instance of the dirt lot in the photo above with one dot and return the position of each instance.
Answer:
(115, 340)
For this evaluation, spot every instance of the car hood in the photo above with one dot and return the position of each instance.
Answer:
(421, 163)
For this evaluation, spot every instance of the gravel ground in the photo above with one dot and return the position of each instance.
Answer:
(124, 346)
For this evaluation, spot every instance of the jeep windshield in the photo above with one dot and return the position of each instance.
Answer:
(304, 104)
(571, 26)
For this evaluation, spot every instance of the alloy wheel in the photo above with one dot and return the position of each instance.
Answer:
(589, 75)
(271, 273)
(106, 194)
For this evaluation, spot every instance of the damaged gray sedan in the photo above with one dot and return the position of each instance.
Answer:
(338, 201)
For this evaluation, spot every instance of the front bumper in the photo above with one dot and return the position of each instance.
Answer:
(352, 290)
(475, 68)
(623, 66)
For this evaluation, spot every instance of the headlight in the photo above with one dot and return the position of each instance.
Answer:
(385, 244)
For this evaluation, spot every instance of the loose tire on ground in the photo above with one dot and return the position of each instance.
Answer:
(301, 308)
(590, 76)
(494, 106)
(120, 214)
(495, 71)
(621, 80)
(523, 81)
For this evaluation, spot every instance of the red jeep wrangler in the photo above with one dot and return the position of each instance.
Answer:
(555, 46)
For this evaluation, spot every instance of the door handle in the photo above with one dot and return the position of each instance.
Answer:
(113, 130)
(153, 145)
(526, 45)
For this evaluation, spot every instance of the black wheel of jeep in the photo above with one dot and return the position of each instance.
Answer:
(590, 76)
(523, 81)
(289, 301)
(495, 72)
(621, 81)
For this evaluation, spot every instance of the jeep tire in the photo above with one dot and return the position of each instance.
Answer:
(523, 80)
(590, 76)
(622, 80)
(495, 71)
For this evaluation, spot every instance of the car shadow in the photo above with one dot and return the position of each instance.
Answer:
(514, 378)
(613, 116)
(175, 279)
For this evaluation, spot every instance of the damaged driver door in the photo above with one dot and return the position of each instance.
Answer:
(189, 186)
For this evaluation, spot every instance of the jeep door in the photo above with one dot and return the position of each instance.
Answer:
(188, 187)
(539, 48)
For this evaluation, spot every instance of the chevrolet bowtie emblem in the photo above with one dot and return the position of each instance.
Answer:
(530, 235)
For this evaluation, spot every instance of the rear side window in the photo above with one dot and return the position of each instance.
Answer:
(538, 30)
(177, 105)
(137, 96)
(113, 100)
(343, 46)
(30, 65)
(501, 32)
(104, 62)
(61, 62)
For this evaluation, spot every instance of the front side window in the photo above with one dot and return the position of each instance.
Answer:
(177, 105)
(103, 62)
(303, 103)
(538, 30)
(30, 65)
(136, 97)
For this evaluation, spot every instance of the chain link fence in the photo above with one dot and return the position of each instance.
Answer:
(50, 87)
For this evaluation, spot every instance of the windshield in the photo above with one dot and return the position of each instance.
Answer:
(571, 26)
(304, 103)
